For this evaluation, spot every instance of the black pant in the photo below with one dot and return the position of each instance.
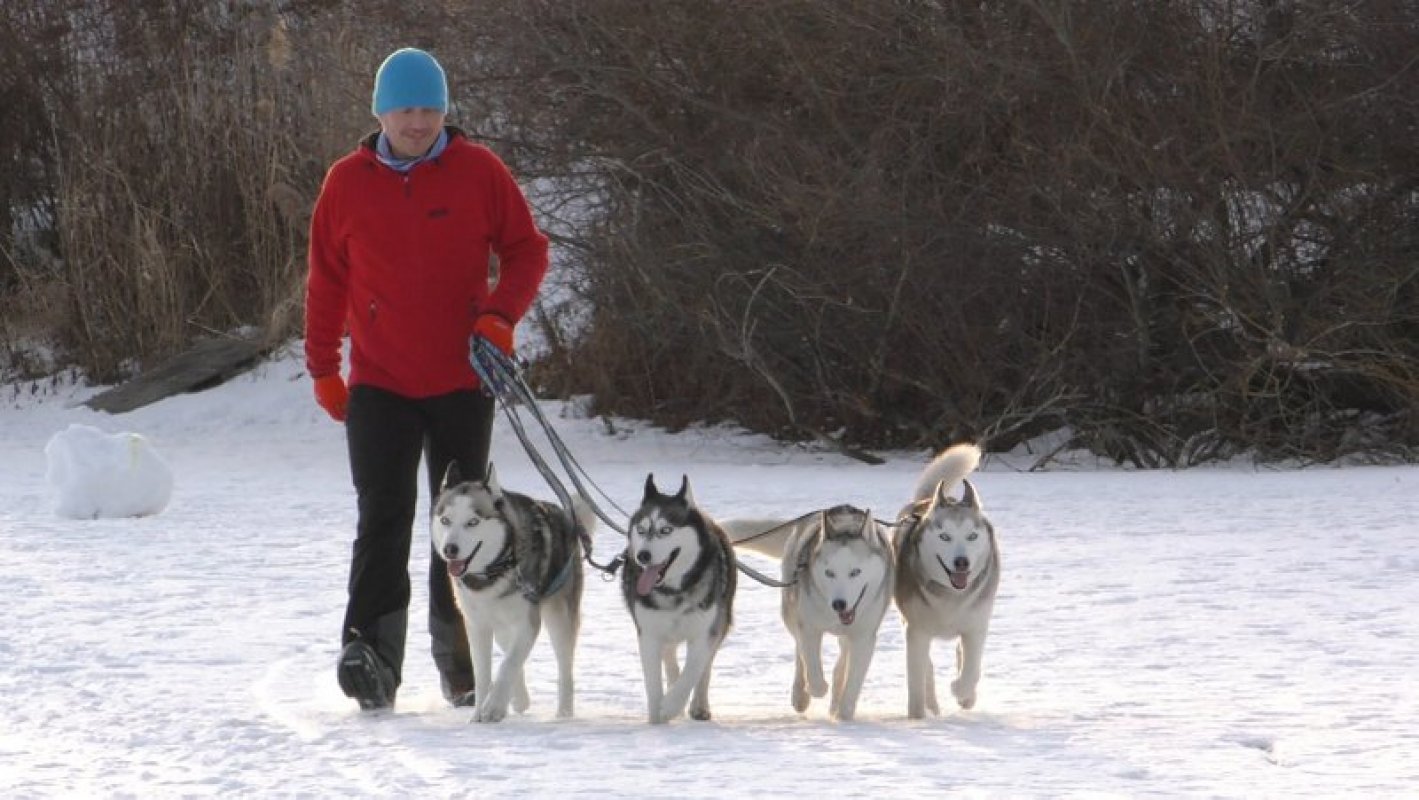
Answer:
(387, 434)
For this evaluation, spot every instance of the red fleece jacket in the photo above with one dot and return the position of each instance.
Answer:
(401, 261)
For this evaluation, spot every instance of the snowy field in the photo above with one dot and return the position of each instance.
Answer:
(1225, 632)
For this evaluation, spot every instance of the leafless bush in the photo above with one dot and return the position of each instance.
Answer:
(174, 149)
(1182, 229)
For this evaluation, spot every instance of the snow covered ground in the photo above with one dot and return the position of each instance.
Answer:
(1226, 632)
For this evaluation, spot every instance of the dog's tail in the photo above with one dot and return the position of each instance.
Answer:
(953, 464)
(764, 535)
(584, 513)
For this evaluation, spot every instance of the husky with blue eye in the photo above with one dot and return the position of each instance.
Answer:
(515, 563)
(678, 582)
(948, 571)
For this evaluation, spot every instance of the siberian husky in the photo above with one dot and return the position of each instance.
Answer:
(515, 562)
(838, 564)
(678, 582)
(948, 571)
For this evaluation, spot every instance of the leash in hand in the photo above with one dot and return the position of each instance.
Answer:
(502, 379)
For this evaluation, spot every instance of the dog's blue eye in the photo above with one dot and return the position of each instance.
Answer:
(945, 537)
(855, 572)
(973, 537)
(472, 523)
(830, 573)
(444, 521)
(665, 530)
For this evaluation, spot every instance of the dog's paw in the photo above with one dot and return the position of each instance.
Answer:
(799, 697)
(800, 703)
(491, 714)
(698, 713)
(965, 695)
(818, 686)
(842, 708)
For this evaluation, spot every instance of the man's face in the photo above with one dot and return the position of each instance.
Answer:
(411, 131)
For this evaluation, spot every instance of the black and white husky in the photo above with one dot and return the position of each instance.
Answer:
(678, 582)
(838, 567)
(948, 571)
(516, 562)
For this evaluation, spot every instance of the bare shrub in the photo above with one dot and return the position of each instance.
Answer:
(1181, 230)
(1162, 225)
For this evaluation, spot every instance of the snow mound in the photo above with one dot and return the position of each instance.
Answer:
(106, 475)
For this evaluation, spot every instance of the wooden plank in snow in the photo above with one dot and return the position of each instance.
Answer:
(208, 363)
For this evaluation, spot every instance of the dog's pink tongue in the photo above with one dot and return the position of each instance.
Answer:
(960, 579)
(650, 576)
(846, 617)
(457, 568)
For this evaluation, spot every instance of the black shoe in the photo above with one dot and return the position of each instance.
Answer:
(458, 691)
(364, 676)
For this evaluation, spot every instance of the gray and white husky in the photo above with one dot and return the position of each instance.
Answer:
(838, 564)
(516, 562)
(948, 571)
(678, 582)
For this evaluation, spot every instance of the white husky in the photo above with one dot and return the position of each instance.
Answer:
(948, 571)
(515, 562)
(678, 583)
(838, 565)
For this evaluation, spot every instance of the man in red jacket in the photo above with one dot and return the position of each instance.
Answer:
(400, 244)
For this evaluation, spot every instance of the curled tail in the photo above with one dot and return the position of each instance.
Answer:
(953, 464)
(585, 515)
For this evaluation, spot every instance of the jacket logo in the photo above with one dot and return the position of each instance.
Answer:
(438, 213)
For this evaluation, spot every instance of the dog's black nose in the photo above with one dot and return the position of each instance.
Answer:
(839, 604)
(643, 556)
(962, 564)
(450, 551)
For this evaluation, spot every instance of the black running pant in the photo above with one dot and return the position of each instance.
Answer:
(387, 434)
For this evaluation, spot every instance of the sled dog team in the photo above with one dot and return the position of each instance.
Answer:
(517, 564)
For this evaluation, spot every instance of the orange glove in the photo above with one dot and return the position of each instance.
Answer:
(331, 394)
(496, 330)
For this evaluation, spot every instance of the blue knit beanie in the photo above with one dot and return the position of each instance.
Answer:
(409, 78)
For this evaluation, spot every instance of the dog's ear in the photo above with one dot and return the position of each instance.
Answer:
(969, 497)
(650, 490)
(686, 494)
(822, 528)
(940, 497)
(867, 527)
(492, 481)
(452, 475)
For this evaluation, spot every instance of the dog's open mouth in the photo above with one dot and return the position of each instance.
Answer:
(458, 566)
(652, 574)
(848, 614)
(960, 579)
